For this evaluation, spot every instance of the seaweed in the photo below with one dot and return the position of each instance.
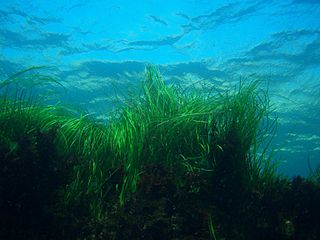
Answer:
(169, 164)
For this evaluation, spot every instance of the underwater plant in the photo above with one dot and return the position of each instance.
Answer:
(188, 132)
(222, 137)
(164, 126)
(239, 139)
(31, 170)
(211, 229)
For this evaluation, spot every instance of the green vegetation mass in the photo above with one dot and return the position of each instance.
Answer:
(224, 136)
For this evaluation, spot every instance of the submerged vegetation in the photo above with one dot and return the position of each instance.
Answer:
(169, 164)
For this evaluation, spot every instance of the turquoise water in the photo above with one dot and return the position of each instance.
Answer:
(100, 49)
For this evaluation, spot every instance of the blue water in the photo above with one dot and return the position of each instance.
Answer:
(100, 49)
